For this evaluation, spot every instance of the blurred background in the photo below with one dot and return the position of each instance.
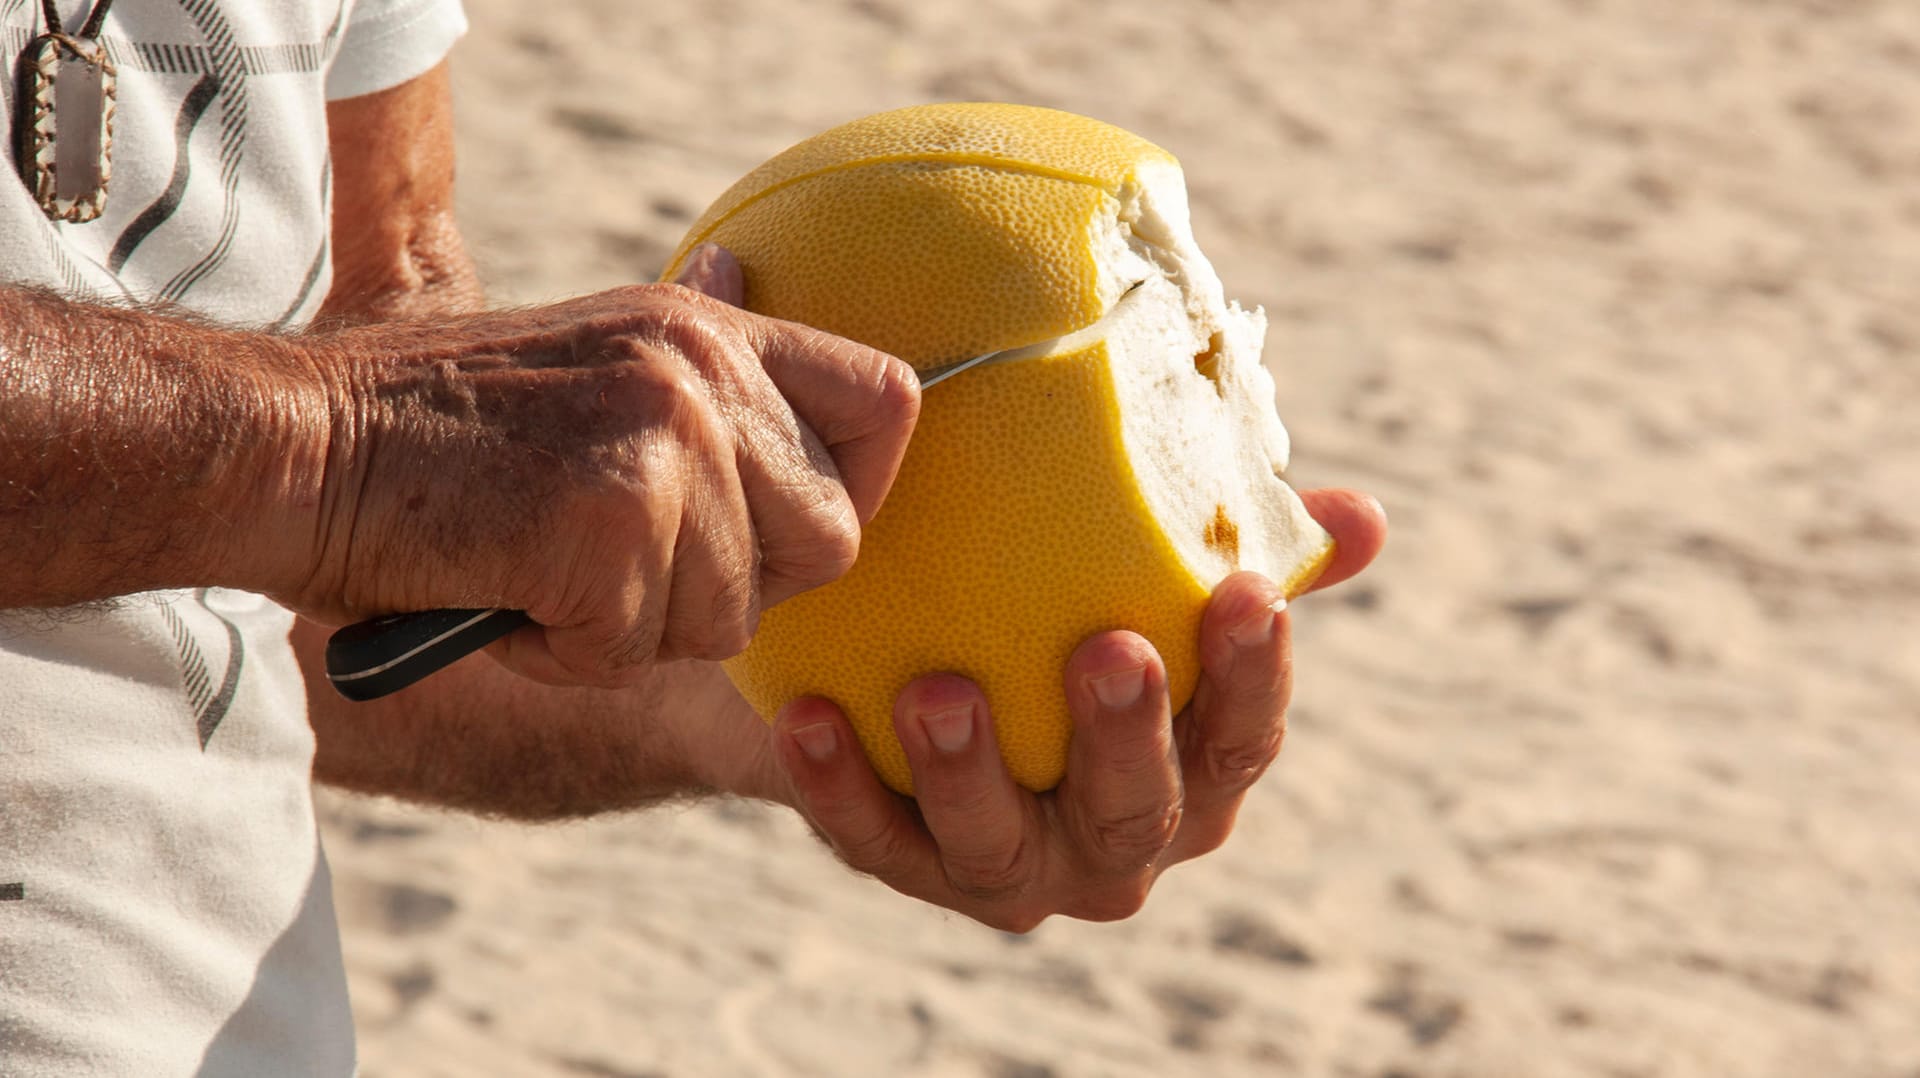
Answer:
(1610, 767)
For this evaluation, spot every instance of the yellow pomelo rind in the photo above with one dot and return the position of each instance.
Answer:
(966, 227)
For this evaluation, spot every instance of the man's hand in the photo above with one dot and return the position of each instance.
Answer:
(642, 471)
(1144, 790)
(623, 466)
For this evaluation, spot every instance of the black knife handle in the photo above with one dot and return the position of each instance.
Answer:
(369, 659)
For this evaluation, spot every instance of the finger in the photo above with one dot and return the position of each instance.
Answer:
(525, 651)
(713, 602)
(861, 403)
(712, 269)
(809, 531)
(602, 634)
(569, 657)
(1122, 795)
(805, 525)
(1233, 731)
(1358, 524)
(605, 627)
(868, 826)
(987, 828)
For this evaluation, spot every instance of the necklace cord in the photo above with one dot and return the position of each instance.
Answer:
(96, 17)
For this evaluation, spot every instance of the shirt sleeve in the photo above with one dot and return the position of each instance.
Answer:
(387, 42)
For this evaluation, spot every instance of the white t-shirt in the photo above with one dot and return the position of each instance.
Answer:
(220, 191)
(165, 908)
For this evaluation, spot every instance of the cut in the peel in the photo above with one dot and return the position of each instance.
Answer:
(1106, 473)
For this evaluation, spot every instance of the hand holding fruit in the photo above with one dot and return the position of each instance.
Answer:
(1144, 789)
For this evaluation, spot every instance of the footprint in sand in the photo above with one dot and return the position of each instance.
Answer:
(1191, 1012)
(1243, 933)
(1427, 1015)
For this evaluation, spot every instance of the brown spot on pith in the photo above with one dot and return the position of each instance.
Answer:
(1208, 362)
(1222, 534)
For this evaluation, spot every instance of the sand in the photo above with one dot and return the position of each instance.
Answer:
(1610, 767)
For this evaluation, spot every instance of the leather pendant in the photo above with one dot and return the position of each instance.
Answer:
(64, 130)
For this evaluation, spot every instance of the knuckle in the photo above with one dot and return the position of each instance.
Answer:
(878, 851)
(837, 545)
(661, 482)
(694, 417)
(698, 330)
(654, 391)
(679, 353)
(1235, 768)
(1142, 754)
(993, 880)
(1136, 838)
(825, 545)
(735, 633)
(898, 391)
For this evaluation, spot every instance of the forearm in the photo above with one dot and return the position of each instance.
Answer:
(478, 738)
(141, 450)
(397, 252)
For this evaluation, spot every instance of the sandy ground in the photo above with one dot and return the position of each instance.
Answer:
(1611, 767)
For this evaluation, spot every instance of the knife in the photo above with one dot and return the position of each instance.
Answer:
(369, 659)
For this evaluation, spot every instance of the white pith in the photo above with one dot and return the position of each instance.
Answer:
(1201, 447)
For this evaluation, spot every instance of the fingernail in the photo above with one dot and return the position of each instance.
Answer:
(695, 262)
(1122, 689)
(950, 730)
(1257, 630)
(818, 741)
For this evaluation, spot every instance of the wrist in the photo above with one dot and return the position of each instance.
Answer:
(275, 473)
(717, 738)
(375, 437)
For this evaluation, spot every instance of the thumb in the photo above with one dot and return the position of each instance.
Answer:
(712, 269)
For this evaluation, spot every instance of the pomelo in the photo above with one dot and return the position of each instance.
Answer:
(1106, 475)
